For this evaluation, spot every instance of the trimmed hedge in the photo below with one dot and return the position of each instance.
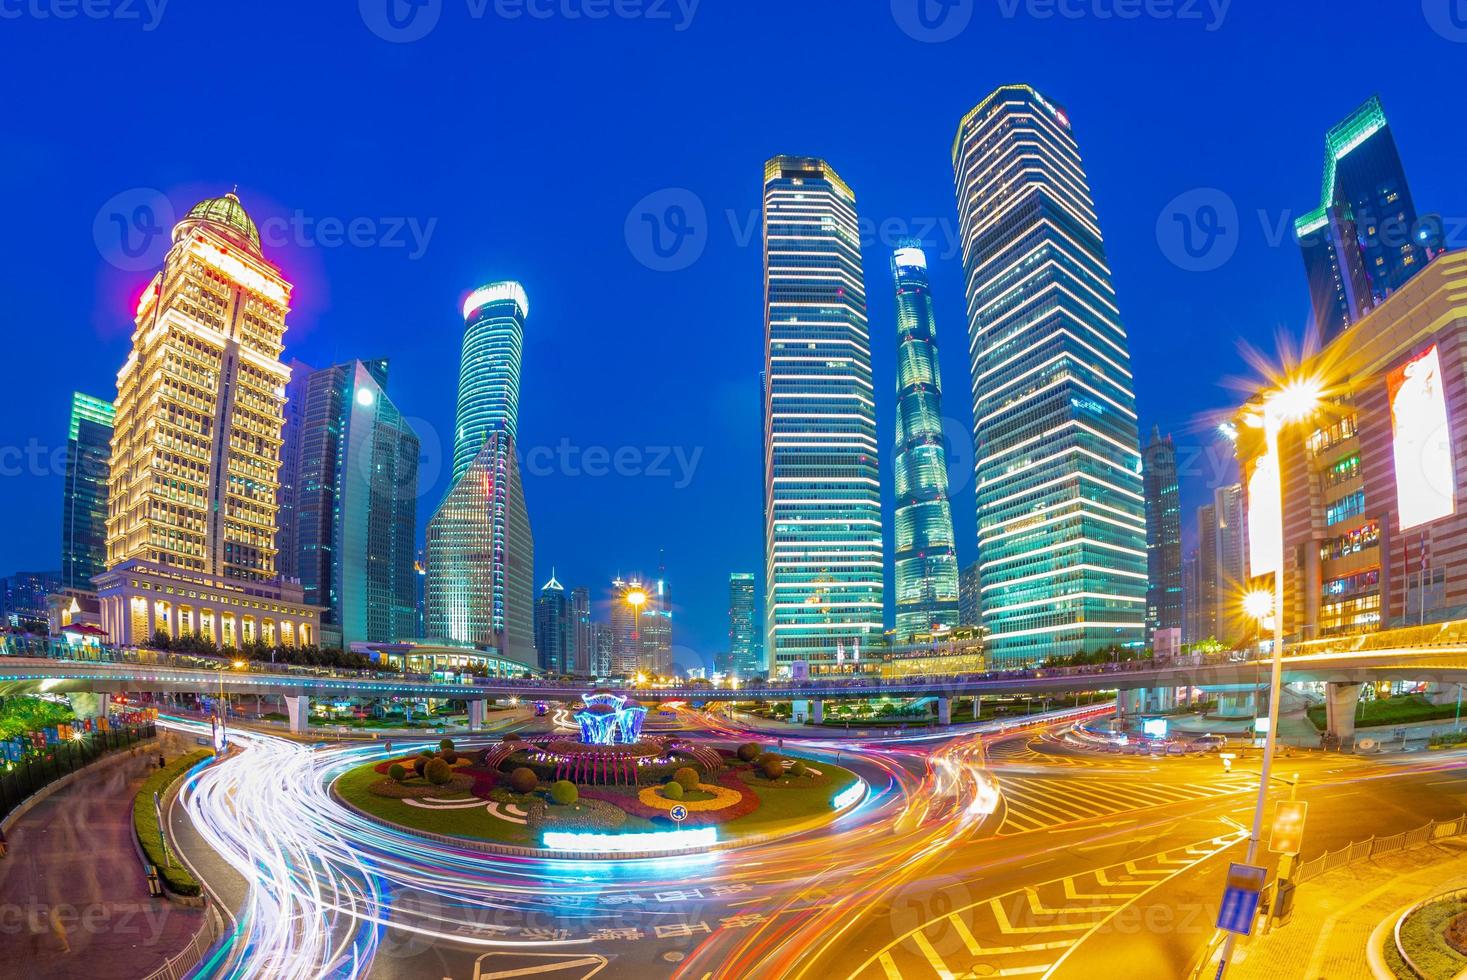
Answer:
(564, 792)
(145, 822)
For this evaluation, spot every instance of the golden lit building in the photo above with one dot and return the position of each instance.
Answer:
(196, 447)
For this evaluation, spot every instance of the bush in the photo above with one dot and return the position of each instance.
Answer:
(687, 778)
(511, 737)
(749, 751)
(426, 754)
(446, 745)
(523, 780)
(449, 756)
(397, 772)
(145, 822)
(673, 791)
(421, 763)
(564, 792)
(437, 772)
(772, 766)
(798, 768)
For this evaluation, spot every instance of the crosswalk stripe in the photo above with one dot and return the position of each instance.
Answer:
(1002, 918)
(889, 966)
(920, 941)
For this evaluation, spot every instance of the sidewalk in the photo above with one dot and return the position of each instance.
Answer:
(1335, 914)
(76, 903)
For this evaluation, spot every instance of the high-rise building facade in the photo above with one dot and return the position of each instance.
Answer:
(657, 627)
(1163, 534)
(194, 470)
(602, 645)
(1216, 605)
(355, 506)
(84, 496)
(926, 558)
(554, 628)
(479, 553)
(1191, 587)
(822, 479)
(287, 543)
(1365, 240)
(583, 649)
(1061, 532)
(970, 596)
(629, 604)
(743, 631)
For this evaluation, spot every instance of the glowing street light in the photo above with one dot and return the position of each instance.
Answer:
(1258, 604)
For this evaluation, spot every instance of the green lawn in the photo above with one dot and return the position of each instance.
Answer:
(477, 822)
(788, 804)
(1407, 709)
(1422, 937)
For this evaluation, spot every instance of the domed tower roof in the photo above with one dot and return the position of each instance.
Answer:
(227, 211)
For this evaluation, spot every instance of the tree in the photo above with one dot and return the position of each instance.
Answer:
(749, 751)
(687, 778)
(438, 772)
(564, 792)
(673, 791)
(772, 766)
(397, 773)
(446, 745)
(523, 780)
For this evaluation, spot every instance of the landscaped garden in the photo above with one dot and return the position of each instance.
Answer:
(1402, 710)
(1434, 937)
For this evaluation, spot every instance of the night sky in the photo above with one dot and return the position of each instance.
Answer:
(392, 176)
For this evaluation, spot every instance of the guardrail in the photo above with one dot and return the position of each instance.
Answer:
(181, 964)
(1362, 850)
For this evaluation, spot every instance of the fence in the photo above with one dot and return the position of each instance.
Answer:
(1361, 850)
(181, 964)
(36, 770)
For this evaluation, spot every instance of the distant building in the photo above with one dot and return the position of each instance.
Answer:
(584, 650)
(1191, 594)
(23, 599)
(287, 544)
(970, 596)
(84, 496)
(602, 645)
(959, 651)
(554, 628)
(743, 629)
(657, 627)
(1163, 534)
(629, 600)
(355, 506)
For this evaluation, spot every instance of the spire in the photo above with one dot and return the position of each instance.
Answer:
(552, 585)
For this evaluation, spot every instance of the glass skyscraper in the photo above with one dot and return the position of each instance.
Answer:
(1061, 533)
(355, 506)
(555, 628)
(743, 635)
(84, 498)
(822, 480)
(926, 557)
(479, 551)
(1364, 241)
(1163, 534)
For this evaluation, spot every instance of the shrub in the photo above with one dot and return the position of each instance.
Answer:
(798, 768)
(564, 792)
(511, 737)
(421, 763)
(523, 780)
(673, 791)
(772, 766)
(446, 745)
(749, 751)
(449, 756)
(397, 772)
(437, 772)
(687, 778)
(145, 823)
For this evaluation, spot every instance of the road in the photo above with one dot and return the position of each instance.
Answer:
(976, 855)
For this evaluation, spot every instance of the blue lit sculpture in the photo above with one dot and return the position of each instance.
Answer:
(608, 721)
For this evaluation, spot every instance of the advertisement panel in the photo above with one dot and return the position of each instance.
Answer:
(1265, 547)
(1426, 485)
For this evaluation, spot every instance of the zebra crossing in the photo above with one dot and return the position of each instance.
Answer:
(1026, 931)
(1021, 751)
(1040, 802)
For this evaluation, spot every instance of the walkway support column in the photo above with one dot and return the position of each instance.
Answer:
(476, 715)
(944, 711)
(89, 704)
(977, 706)
(1340, 701)
(817, 712)
(299, 709)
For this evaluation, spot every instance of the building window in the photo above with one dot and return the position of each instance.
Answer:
(1346, 507)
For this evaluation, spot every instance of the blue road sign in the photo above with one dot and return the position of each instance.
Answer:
(679, 813)
(1240, 898)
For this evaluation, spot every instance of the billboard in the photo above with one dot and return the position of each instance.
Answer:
(1426, 485)
(1265, 542)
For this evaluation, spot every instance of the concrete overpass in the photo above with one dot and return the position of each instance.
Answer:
(1435, 654)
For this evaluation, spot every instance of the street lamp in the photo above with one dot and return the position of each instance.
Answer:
(1294, 401)
(219, 710)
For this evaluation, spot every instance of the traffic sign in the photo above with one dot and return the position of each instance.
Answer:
(679, 813)
(1240, 898)
(1287, 835)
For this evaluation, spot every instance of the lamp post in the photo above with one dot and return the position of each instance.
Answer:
(220, 710)
(1294, 401)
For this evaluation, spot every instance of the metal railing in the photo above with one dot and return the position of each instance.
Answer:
(181, 964)
(21, 779)
(1362, 850)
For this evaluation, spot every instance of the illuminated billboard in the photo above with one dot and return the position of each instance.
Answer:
(1426, 485)
(1265, 544)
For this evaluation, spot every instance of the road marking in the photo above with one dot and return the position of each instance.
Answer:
(889, 966)
(594, 960)
(932, 958)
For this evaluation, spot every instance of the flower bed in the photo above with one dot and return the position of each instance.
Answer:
(719, 798)
(417, 788)
(632, 803)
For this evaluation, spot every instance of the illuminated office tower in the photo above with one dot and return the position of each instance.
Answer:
(583, 648)
(1163, 534)
(554, 628)
(657, 626)
(630, 600)
(191, 516)
(1061, 533)
(287, 542)
(743, 634)
(479, 552)
(926, 557)
(84, 498)
(822, 481)
(355, 506)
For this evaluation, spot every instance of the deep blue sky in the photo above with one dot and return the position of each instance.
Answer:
(529, 141)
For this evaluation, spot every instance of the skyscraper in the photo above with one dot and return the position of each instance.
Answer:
(1192, 631)
(1364, 241)
(287, 544)
(195, 460)
(1207, 573)
(355, 506)
(629, 604)
(480, 552)
(1062, 536)
(970, 596)
(1163, 534)
(657, 627)
(554, 628)
(602, 647)
(84, 497)
(926, 555)
(742, 632)
(584, 651)
(822, 480)
(1230, 564)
